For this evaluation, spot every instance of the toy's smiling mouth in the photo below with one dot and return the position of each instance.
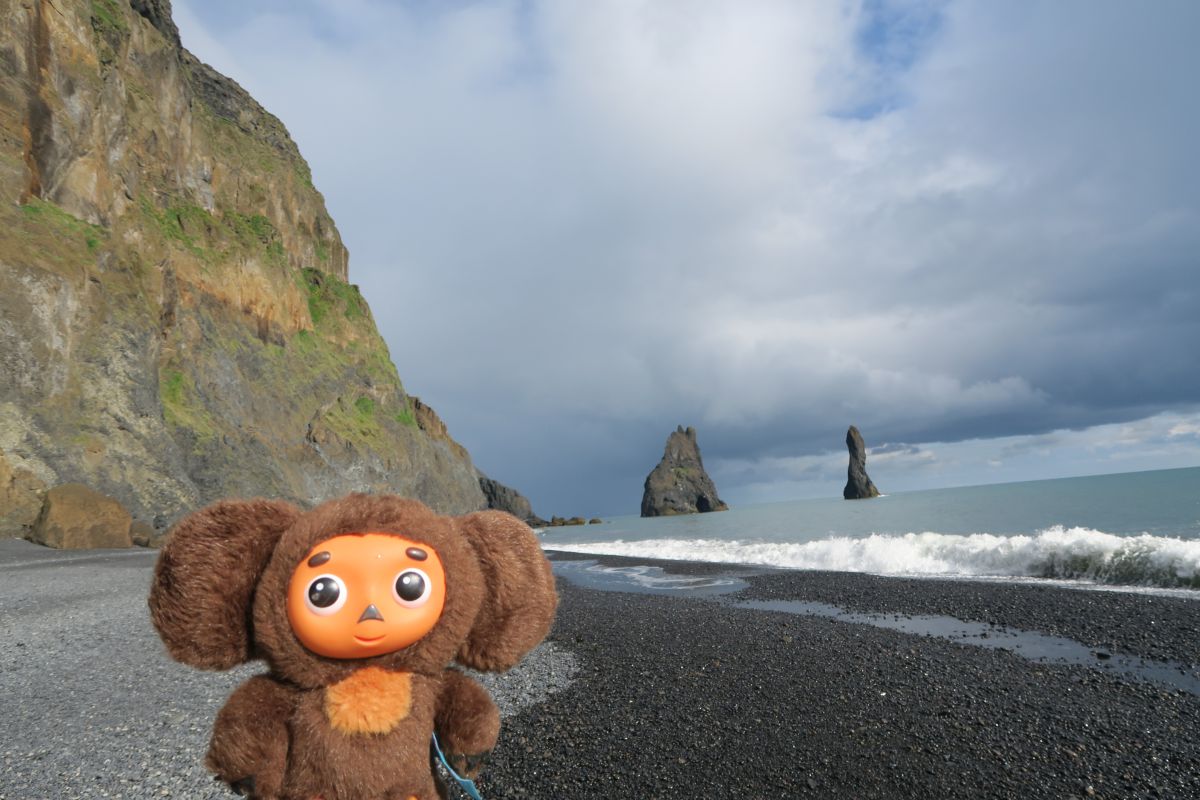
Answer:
(368, 639)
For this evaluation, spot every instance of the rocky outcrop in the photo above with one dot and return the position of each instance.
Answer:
(74, 518)
(679, 484)
(158, 13)
(504, 498)
(144, 535)
(858, 484)
(176, 323)
(21, 497)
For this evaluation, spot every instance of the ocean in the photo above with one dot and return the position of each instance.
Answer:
(1138, 529)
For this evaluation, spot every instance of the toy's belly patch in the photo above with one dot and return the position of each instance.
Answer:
(371, 700)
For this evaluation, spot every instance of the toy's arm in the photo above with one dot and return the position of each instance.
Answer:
(249, 744)
(467, 722)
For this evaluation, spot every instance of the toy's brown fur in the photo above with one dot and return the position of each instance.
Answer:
(219, 599)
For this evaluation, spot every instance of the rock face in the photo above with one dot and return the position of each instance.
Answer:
(176, 323)
(75, 517)
(858, 484)
(504, 498)
(21, 497)
(679, 484)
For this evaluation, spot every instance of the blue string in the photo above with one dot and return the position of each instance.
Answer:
(467, 784)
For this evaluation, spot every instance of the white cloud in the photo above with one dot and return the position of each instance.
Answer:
(621, 216)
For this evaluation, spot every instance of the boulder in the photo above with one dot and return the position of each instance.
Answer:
(858, 484)
(679, 484)
(21, 494)
(76, 518)
(144, 535)
(559, 522)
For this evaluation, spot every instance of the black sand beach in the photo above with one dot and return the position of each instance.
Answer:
(695, 698)
(646, 696)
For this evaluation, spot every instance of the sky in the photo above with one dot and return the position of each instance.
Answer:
(972, 229)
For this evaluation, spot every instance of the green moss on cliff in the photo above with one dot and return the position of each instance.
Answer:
(364, 423)
(405, 415)
(108, 29)
(182, 406)
(253, 232)
(107, 17)
(354, 422)
(328, 294)
(188, 226)
(313, 365)
(303, 173)
(47, 213)
(365, 406)
(41, 232)
(215, 238)
(256, 226)
(234, 146)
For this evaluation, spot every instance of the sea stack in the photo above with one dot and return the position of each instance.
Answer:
(858, 483)
(679, 484)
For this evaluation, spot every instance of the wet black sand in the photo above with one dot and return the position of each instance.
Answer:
(682, 697)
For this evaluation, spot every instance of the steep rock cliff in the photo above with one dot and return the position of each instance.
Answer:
(175, 319)
(679, 484)
(505, 498)
(858, 483)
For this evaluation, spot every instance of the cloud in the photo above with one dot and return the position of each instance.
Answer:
(1188, 429)
(582, 224)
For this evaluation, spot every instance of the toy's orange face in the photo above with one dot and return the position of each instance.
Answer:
(365, 594)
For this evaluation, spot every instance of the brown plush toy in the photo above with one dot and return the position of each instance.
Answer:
(358, 607)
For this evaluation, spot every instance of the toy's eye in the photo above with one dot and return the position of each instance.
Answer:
(412, 588)
(325, 595)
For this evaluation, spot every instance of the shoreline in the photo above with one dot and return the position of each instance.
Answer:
(691, 696)
(1162, 627)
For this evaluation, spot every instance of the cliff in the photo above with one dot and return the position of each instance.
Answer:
(176, 323)
(679, 484)
(505, 498)
(858, 483)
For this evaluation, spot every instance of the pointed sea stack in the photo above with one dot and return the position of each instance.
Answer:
(679, 484)
(858, 483)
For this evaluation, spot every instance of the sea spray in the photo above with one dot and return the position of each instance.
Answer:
(1056, 552)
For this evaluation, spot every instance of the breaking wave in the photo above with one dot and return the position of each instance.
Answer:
(1057, 552)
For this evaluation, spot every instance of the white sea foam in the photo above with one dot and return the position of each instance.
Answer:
(1057, 552)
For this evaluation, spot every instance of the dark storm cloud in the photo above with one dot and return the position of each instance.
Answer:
(581, 225)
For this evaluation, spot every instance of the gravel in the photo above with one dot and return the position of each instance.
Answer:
(681, 697)
(645, 696)
(94, 708)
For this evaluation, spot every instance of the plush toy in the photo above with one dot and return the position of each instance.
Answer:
(358, 607)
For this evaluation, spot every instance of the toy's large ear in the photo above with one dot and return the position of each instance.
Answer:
(204, 581)
(519, 595)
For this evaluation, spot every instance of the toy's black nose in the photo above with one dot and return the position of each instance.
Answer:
(370, 612)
